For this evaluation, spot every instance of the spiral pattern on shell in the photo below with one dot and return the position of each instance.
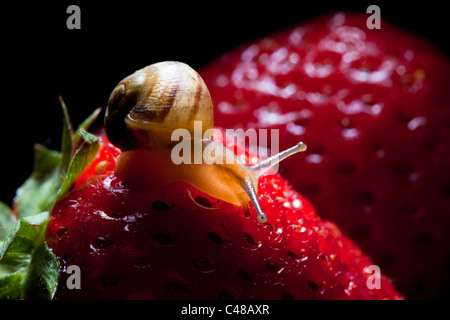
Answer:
(145, 107)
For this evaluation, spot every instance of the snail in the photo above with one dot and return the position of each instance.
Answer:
(142, 114)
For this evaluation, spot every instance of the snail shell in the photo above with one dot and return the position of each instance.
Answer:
(145, 107)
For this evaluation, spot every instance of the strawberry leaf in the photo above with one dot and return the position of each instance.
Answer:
(41, 280)
(54, 172)
(40, 190)
(28, 268)
(24, 235)
(10, 286)
(66, 140)
(82, 158)
(38, 193)
(6, 220)
(77, 137)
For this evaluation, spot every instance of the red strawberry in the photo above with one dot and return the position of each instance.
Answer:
(373, 108)
(103, 163)
(143, 241)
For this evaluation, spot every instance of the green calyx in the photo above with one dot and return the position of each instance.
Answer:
(28, 268)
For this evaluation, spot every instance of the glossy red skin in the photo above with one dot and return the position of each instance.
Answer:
(103, 163)
(374, 110)
(174, 242)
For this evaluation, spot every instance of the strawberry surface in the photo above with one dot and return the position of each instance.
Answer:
(373, 108)
(143, 241)
(103, 163)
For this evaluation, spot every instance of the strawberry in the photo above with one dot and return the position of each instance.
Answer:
(373, 108)
(132, 238)
(103, 163)
(145, 241)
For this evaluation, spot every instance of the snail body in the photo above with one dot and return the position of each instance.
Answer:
(145, 109)
(222, 181)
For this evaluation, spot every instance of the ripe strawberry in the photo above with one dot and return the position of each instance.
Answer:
(136, 240)
(103, 163)
(373, 108)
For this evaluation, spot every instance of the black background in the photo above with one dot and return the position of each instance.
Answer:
(42, 59)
